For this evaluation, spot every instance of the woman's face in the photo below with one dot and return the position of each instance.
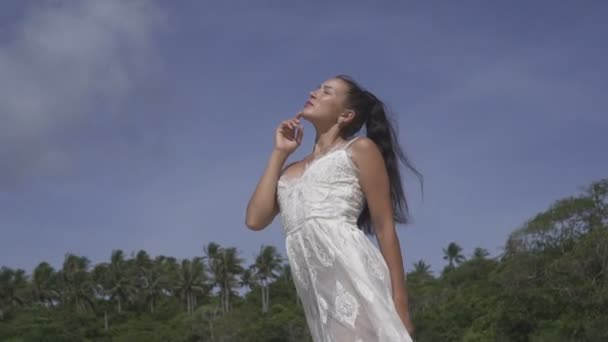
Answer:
(326, 103)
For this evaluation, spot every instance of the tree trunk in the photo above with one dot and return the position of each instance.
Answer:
(188, 302)
(211, 330)
(192, 302)
(290, 329)
(105, 320)
(267, 297)
(227, 298)
(263, 298)
(223, 295)
(119, 306)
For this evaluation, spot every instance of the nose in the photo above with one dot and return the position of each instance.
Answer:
(313, 94)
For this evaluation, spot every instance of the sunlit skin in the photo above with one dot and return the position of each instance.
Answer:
(325, 109)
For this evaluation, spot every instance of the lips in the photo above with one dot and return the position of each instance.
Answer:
(308, 103)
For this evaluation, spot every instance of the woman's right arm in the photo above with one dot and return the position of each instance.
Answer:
(263, 206)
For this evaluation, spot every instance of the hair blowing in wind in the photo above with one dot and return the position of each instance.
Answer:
(379, 126)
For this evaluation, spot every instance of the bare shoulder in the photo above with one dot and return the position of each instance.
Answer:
(290, 165)
(292, 169)
(365, 151)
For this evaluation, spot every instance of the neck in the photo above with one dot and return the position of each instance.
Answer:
(326, 140)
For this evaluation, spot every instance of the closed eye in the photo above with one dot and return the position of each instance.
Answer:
(327, 89)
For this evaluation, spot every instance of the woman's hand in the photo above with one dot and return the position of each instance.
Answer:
(289, 135)
(404, 313)
(409, 326)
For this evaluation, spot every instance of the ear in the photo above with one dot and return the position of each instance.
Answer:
(346, 116)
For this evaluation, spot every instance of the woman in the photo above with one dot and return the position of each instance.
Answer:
(346, 188)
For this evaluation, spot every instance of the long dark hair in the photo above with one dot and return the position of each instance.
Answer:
(380, 127)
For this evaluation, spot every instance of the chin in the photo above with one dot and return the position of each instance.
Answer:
(308, 114)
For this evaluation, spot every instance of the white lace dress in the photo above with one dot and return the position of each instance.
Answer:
(339, 274)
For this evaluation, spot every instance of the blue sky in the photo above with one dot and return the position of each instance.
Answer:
(146, 124)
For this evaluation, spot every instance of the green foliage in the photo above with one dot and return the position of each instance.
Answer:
(550, 284)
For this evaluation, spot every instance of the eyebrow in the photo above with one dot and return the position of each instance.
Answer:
(327, 87)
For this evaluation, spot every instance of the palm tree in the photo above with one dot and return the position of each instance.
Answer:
(44, 290)
(117, 279)
(422, 269)
(142, 267)
(13, 283)
(191, 281)
(453, 254)
(151, 278)
(286, 272)
(232, 267)
(211, 254)
(75, 283)
(480, 253)
(267, 267)
(420, 281)
(224, 267)
(247, 279)
(288, 277)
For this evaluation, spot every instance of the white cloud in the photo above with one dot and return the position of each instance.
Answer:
(65, 60)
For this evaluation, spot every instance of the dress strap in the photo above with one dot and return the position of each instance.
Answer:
(351, 141)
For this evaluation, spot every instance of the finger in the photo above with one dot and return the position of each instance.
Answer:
(286, 128)
(300, 134)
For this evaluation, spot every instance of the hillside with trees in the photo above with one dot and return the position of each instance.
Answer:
(550, 283)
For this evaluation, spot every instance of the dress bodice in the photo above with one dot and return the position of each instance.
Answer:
(341, 278)
(328, 188)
